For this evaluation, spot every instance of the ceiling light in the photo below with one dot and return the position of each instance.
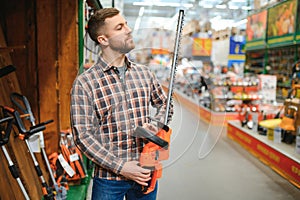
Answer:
(222, 6)
(141, 12)
(216, 18)
(239, 23)
(233, 7)
(207, 6)
(170, 4)
(246, 7)
(239, 1)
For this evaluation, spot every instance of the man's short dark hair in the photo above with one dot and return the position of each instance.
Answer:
(97, 21)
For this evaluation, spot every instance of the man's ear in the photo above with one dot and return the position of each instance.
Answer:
(102, 40)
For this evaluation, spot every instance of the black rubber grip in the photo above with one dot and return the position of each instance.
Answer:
(38, 170)
(14, 172)
(6, 70)
(143, 133)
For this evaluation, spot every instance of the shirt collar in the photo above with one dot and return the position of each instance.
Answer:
(106, 67)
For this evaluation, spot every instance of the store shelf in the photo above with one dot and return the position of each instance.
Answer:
(281, 157)
(255, 60)
(205, 114)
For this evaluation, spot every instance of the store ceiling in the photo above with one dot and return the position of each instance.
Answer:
(156, 12)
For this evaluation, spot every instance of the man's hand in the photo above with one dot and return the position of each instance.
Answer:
(132, 171)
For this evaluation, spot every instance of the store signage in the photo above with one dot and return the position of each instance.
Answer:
(298, 23)
(202, 47)
(256, 26)
(282, 23)
(268, 84)
(256, 30)
(286, 166)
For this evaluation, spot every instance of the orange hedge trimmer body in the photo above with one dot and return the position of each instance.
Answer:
(157, 149)
(154, 152)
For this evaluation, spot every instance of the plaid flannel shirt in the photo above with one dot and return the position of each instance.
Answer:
(105, 112)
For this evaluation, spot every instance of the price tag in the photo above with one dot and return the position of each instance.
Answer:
(66, 165)
(34, 143)
(74, 157)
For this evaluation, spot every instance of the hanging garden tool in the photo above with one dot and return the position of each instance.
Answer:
(7, 70)
(24, 135)
(23, 105)
(158, 147)
(5, 130)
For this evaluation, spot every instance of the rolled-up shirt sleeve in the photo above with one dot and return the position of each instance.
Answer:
(86, 128)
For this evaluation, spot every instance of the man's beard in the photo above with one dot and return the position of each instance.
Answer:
(127, 46)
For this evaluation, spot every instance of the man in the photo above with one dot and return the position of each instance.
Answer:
(108, 101)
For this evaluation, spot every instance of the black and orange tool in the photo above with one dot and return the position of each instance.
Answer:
(24, 134)
(157, 149)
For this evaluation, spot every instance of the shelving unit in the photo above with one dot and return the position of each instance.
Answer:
(255, 60)
(241, 92)
(281, 62)
(281, 157)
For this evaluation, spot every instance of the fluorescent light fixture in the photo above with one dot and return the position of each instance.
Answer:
(137, 23)
(170, 4)
(239, 1)
(246, 7)
(139, 19)
(222, 6)
(239, 23)
(207, 6)
(141, 12)
(233, 7)
(216, 18)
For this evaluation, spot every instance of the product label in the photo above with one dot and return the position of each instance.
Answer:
(74, 157)
(66, 165)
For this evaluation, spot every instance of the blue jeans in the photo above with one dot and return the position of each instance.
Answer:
(116, 190)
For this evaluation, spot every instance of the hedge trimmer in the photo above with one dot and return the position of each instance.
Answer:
(158, 147)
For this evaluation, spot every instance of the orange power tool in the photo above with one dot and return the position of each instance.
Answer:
(154, 152)
(157, 149)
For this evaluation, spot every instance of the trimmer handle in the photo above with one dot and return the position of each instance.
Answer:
(16, 98)
(4, 138)
(7, 70)
(143, 133)
(20, 125)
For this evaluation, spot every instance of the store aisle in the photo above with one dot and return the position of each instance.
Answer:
(205, 164)
(197, 171)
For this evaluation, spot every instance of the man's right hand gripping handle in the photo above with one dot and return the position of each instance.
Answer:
(156, 150)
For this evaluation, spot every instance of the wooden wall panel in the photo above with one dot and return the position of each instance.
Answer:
(20, 31)
(16, 148)
(68, 57)
(46, 68)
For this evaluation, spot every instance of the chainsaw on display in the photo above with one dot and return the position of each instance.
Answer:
(157, 149)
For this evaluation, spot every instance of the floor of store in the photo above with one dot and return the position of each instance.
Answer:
(205, 164)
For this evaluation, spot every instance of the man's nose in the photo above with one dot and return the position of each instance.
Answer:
(128, 29)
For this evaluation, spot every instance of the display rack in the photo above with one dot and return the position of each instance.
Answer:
(280, 61)
(229, 96)
(255, 61)
(205, 114)
(280, 157)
